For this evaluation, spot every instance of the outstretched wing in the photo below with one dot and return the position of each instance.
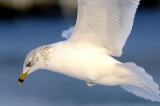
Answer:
(104, 24)
(67, 33)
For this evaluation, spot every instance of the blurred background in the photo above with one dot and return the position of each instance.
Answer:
(27, 24)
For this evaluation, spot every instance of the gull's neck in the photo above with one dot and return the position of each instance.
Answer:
(55, 56)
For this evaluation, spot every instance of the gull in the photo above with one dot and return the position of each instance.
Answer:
(100, 33)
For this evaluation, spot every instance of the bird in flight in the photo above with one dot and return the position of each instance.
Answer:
(101, 30)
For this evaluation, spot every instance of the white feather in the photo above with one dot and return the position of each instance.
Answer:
(104, 23)
(67, 33)
(146, 87)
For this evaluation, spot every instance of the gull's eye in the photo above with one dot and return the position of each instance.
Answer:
(29, 64)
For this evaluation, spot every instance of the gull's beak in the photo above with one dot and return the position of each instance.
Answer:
(22, 77)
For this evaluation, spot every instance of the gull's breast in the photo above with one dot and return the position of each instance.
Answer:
(80, 64)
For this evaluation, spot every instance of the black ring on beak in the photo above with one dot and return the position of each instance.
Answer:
(20, 80)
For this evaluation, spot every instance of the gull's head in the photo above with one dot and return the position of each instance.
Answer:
(36, 59)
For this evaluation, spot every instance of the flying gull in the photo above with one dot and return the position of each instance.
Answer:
(101, 30)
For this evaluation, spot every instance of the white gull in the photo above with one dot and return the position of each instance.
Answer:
(101, 30)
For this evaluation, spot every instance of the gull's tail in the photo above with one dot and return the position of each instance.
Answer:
(145, 86)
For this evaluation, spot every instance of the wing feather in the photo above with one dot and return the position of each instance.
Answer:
(67, 33)
(104, 23)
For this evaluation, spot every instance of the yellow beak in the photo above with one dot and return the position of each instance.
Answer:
(22, 77)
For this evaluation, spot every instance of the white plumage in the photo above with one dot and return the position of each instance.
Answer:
(104, 23)
(100, 32)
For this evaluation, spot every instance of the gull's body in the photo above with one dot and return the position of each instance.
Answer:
(86, 65)
(101, 31)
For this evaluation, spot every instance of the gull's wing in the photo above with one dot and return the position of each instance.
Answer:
(104, 24)
(67, 33)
